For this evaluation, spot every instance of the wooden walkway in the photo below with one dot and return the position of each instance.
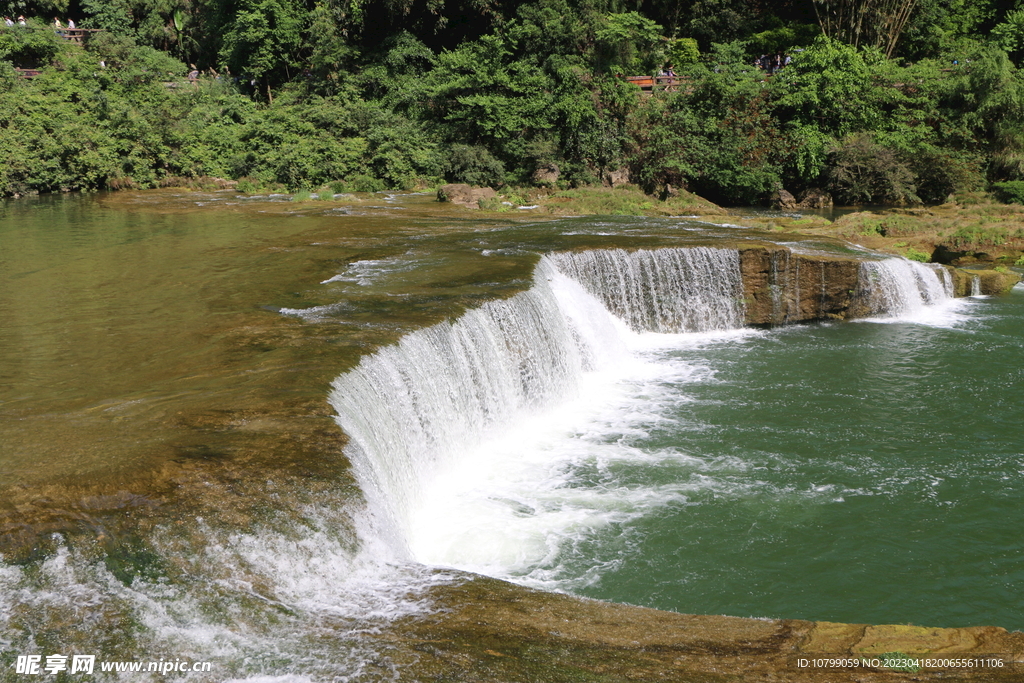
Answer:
(651, 84)
(72, 35)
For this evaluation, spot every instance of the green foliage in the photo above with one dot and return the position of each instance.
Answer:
(1009, 192)
(628, 43)
(30, 48)
(863, 171)
(473, 165)
(979, 236)
(783, 38)
(8, 77)
(828, 86)
(682, 52)
(1010, 34)
(917, 255)
(369, 96)
(263, 40)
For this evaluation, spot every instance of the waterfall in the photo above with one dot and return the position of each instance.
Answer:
(976, 285)
(697, 289)
(898, 287)
(412, 408)
(414, 411)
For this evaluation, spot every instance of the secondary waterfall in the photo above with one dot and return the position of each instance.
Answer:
(897, 287)
(664, 290)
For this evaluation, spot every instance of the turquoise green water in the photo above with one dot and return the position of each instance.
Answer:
(860, 472)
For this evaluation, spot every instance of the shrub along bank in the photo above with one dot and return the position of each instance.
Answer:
(533, 96)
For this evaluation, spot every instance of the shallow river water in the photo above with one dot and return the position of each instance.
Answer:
(171, 365)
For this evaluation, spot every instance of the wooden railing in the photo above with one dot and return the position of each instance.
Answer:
(77, 35)
(651, 84)
(72, 35)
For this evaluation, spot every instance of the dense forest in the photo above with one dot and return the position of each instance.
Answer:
(886, 101)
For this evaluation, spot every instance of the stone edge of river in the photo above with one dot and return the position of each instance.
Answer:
(488, 630)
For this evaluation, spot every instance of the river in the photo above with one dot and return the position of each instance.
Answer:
(174, 368)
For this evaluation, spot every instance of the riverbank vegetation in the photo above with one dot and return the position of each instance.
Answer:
(365, 96)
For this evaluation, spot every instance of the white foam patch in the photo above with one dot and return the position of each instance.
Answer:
(367, 271)
(948, 313)
(516, 504)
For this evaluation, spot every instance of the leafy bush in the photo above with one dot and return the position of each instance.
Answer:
(683, 51)
(474, 165)
(861, 171)
(917, 255)
(1009, 192)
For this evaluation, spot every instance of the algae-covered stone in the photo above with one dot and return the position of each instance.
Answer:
(988, 282)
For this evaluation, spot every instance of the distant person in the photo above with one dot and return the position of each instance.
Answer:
(9, 21)
(193, 75)
(21, 20)
(71, 23)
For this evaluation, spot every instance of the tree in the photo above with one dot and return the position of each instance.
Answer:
(865, 22)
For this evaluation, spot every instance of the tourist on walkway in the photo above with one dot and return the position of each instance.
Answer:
(71, 23)
(21, 20)
(9, 21)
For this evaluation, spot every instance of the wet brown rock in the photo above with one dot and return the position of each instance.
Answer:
(781, 286)
(990, 282)
(815, 198)
(464, 195)
(783, 199)
(487, 630)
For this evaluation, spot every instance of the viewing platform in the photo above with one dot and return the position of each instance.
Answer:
(72, 35)
(651, 84)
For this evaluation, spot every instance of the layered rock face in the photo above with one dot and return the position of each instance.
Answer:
(781, 286)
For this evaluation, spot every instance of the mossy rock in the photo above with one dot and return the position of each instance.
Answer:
(992, 282)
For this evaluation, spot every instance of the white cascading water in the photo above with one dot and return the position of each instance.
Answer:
(452, 412)
(415, 410)
(411, 409)
(976, 285)
(698, 289)
(899, 288)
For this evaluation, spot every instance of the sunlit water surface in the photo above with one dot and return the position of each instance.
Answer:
(863, 472)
